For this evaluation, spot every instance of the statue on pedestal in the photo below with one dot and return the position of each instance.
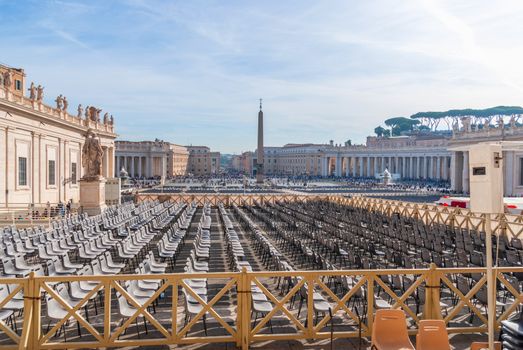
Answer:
(80, 111)
(513, 122)
(106, 118)
(92, 154)
(59, 102)
(32, 92)
(486, 124)
(8, 79)
(501, 123)
(39, 93)
(111, 120)
(66, 104)
(465, 121)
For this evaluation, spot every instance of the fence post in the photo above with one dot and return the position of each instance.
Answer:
(28, 313)
(245, 308)
(432, 308)
(370, 302)
(36, 327)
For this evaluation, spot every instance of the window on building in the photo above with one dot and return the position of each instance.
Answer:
(52, 172)
(18, 84)
(73, 173)
(22, 171)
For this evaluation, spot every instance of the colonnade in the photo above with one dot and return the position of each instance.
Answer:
(142, 166)
(436, 167)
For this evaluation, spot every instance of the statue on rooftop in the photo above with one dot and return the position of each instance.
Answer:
(111, 120)
(513, 122)
(59, 102)
(39, 93)
(465, 121)
(87, 115)
(66, 104)
(92, 154)
(106, 118)
(80, 111)
(8, 79)
(486, 124)
(501, 122)
(455, 127)
(32, 92)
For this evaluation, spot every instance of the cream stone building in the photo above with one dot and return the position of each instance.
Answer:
(41, 145)
(203, 162)
(146, 159)
(433, 156)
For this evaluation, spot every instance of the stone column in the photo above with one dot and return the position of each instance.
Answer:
(338, 166)
(376, 169)
(368, 167)
(148, 166)
(404, 167)
(446, 168)
(347, 166)
(362, 167)
(354, 165)
(466, 179)
(438, 168)
(430, 174)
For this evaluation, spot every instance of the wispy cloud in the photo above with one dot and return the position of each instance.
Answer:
(192, 71)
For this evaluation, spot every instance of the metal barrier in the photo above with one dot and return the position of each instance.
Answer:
(356, 307)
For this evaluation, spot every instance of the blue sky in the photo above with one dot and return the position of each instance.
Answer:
(191, 72)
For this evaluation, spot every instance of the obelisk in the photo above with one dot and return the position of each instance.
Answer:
(259, 158)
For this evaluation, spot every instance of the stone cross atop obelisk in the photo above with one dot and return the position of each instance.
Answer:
(259, 158)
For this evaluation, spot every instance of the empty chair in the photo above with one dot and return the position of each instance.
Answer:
(477, 345)
(390, 331)
(432, 335)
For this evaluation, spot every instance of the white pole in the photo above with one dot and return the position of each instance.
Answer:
(491, 284)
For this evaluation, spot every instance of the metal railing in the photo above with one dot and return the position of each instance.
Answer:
(355, 306)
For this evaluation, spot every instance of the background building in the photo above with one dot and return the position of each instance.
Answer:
(147, 159)
(203, 162)
(41, 146)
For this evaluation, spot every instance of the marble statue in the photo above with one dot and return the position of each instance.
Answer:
(39, 93)
(32, 92)
(59, 102)
(98, 115)
(513, 121)
(92, 113)
(501, 123)
(66, 104)
(92, 154)
(8, 79)
(111, 120)
(87, 115)
(106, 118)
(465, 121)
(80, 111)
(455, 127)
(486, 124)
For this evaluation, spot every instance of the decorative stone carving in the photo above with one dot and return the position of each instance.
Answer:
(66, 104)
(39, 93)
(106, 118)
(80, 111)
(501, 123)
(59, 102)
(111, 120)
(87, 116)
(467, 127)
(513, 122)
(455, 127)
(92, 154)
(8, 79)
(486, 124)
(32, 92)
